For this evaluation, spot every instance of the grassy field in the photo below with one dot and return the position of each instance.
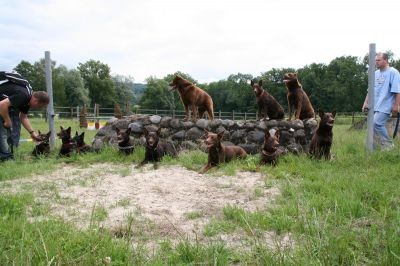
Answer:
(342, 212)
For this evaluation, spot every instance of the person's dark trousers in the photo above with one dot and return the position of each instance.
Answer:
(5, 150)
(16, 128)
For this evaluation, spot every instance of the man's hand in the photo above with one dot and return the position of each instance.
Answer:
(364, 107)
(395, 110)
(35, 136)
(7, 123)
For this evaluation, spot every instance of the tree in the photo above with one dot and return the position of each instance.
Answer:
(97, 80)
(75, 91)
(157, 95)
(123, 89)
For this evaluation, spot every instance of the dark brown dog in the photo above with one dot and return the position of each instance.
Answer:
(125, 144)
(194, 97)
(321, 142)
(155, 150)
(42, 147)
(267, 105)
(270, 151)
(219, 153)
(298, 100)
(68, 145)
(81, 146)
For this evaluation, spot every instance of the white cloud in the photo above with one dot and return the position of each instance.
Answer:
(206, 39)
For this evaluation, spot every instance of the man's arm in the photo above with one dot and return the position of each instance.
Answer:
(365, 105)
(27, 125)
(395, 107)
(4, 105)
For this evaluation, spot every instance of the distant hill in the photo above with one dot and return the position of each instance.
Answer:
(138, 89)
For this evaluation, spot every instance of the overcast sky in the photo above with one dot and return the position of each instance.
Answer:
(207, 39)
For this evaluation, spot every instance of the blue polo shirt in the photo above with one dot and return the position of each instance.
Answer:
(387, 84)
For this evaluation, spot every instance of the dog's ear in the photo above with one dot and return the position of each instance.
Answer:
(128, 131)
(277, 134)
(260, 82)
(145, 131)
(61, 128)
(69, 130)
(39, 132)
(158, 131)
(221, 134)
(321, 113)
(48, 134)
(82, 134)
(76, 133)
(267, 134)
(334, 113)
(252, 83)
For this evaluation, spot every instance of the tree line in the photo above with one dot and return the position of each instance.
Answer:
(340, 85)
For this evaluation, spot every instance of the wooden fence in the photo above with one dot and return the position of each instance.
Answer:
(106, 113)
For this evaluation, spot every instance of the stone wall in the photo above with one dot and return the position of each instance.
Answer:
(295, 135)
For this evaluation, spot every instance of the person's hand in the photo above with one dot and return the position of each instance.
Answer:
(365, 107)
(35, 136)
(7, 123)
(395, 110)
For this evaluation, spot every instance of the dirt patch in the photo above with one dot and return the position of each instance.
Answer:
(172, 200)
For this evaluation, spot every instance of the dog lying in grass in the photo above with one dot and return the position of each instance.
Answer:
(194, 97)
(155, 150)
(81, 146)
(270, 151)
(298, 100)
(125, 144)
(267, 105)
(42, 147)
(68, 145)
(321, 142)
(219, 153)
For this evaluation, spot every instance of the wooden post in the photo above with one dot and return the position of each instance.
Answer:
(117, 111)
(371, 91)
(50, 106)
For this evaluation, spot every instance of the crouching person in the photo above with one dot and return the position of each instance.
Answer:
(16, 98)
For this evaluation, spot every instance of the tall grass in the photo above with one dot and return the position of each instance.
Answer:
(340, 212)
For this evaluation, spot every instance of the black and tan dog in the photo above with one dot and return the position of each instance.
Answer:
(125, 143)
(81, 146)
(219, 153)
(321, 142)
(155, 149)
(42, 147)
(270, 151)
(267, 105)
(68, 145)
(298, 100)
(194, 97)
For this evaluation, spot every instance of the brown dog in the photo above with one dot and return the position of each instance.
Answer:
(219, 153)
(297, 98)
(155, 149)
(125, 143)
(194, 97)
(321, 141)
(267, 105)
(270, 151)
(42, 147)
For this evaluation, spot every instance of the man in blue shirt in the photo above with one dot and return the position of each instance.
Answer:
(386, 99)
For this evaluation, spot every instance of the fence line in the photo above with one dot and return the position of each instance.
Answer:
(106, 113)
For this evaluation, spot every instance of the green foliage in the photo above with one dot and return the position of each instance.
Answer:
(97, 79)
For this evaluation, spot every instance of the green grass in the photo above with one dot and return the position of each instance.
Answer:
(340, 212)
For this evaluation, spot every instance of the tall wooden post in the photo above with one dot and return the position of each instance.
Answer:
(371, 91)
(50, 106)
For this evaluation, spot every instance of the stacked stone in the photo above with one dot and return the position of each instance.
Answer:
(295, 135)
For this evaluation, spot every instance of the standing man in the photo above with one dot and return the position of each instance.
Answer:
(386, 99)
(16, 98)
